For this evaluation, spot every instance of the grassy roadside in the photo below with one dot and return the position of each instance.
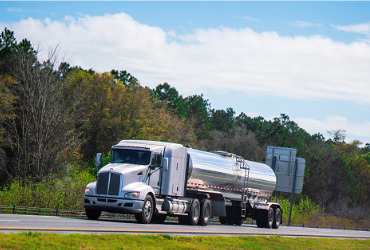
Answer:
(123, 241)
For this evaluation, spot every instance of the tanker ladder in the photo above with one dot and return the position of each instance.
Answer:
(245, 166)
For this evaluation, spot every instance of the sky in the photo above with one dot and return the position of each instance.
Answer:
(308, 60)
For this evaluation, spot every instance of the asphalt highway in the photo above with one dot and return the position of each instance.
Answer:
(26, 223)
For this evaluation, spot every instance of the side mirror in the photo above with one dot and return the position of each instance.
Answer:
(98, 160)
(156, 161)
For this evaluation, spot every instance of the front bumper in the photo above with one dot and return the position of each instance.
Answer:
(113, 204)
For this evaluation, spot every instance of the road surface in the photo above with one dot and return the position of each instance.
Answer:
(26, 223)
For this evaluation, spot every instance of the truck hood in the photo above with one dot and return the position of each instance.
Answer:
(123, 168)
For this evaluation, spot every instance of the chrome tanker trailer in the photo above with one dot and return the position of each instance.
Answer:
(153, 180)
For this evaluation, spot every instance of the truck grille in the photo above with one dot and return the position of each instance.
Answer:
(108, 183)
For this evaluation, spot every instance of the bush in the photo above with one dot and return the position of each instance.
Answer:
(66, 193)
(302, 212)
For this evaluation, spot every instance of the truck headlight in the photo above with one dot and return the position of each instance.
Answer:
(132, 195)
(87, 191)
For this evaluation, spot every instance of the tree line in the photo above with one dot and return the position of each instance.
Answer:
(56, 117)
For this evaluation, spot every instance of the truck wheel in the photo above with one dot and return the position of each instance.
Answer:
(159, 218)
(205, 212)
(194, 213)
(222, 220)
(277, 219)
(146, 214)
(269, 217)
(92, 214)
(259, 219)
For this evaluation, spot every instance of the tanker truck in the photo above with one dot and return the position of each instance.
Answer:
(153, 180)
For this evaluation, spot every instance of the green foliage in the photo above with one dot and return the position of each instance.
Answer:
(194, 109)
(9, 48)
(123, 76)
(302, 211)
(222, 120)
(66, 193)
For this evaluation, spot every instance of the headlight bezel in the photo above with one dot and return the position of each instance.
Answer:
(132, 195)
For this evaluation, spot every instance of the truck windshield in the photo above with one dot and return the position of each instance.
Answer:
(130, 156)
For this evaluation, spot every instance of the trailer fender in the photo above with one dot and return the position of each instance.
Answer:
(218, 206)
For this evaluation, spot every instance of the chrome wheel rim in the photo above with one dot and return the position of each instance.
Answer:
(196, 212)
(271, 216)
(278, 216)
(147, 209)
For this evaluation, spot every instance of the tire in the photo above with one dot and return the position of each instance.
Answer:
(194, 213)
(92, 214)
(277, 218)
(159, 218)
(183, 220)
(222, 220)
(238, 220)
(269, 216)
(205, 212)
(146, 215)
(229, 216)
(259, 219)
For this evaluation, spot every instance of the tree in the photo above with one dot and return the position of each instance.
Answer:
(195, 109)
(338, 135)
(222, 120)
(123, 76)
(110, 111)
(41, 132)
(9, 48)
(170, 96)
(198, 115)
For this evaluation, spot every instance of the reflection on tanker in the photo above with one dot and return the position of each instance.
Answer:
(215, 171)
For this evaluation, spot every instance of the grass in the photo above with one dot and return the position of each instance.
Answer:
(31, 240)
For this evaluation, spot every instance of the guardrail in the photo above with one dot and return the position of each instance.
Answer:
(14, 209)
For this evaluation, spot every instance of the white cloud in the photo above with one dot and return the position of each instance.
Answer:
(248, 18)
(362, 28)
(332, 123)
(15, 10)
(225, 59)
(304, 24)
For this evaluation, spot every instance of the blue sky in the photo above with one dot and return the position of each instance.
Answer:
(309, 60)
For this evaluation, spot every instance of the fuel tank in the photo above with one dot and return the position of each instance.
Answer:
(230, 174)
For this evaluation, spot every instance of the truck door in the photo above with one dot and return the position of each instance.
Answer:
(155, 179)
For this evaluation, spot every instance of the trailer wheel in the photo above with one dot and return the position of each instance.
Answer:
(146, 214)
(92, 214)
(269, 217)
(205, 212)
(230, 220)
(194, 213)
(222, 220)
(238, 220)
(277, 219)
(183, 220)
